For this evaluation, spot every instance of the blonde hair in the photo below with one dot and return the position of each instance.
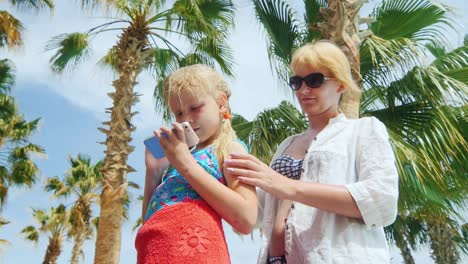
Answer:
(325, 57)
(202, 80)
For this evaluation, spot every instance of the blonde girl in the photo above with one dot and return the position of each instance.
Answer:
(188, 193)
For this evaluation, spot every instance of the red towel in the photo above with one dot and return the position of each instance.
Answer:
(186, 232)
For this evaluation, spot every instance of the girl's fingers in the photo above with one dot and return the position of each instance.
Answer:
(179, 131)
(165, 132)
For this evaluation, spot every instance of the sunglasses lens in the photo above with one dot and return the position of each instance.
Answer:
(314, 80)
(295, 82)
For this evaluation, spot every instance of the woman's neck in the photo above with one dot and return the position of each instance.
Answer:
(318, 122)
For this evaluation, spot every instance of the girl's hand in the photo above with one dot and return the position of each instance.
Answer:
(173, 144)
(250, 170)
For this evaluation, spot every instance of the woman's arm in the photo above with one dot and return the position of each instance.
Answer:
(333, 198)
(373, 198)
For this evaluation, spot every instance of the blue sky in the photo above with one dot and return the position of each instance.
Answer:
(71, 108)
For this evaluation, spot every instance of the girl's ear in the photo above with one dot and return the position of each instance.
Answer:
(222, 103)
(341, 88)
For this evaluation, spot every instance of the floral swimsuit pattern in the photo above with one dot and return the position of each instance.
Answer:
(174, 188)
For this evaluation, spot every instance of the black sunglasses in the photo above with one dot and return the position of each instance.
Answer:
(313, 80)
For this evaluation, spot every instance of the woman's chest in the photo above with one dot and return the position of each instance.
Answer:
(331, 159)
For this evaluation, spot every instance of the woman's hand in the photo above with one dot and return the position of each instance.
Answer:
(250, 170)
(173, 144)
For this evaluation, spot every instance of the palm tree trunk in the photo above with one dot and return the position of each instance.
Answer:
(405, 250)
(444, 249)
(115, 168)
(53, 250)
(77, 246)
(81, 228)
(341, 25)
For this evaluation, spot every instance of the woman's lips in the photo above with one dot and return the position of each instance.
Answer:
(308, 99)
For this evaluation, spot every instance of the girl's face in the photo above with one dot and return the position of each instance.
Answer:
(318, 101)
(203, 113)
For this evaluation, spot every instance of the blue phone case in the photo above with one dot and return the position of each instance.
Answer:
(154, 147)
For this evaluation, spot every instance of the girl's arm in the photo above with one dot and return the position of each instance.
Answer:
(236, 203)
(154, 169)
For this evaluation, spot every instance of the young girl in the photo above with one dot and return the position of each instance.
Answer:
(182, 215)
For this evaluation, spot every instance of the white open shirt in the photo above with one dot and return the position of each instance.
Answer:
(358, 155)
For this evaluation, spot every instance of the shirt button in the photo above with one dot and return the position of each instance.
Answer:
(315, 138)
(287, 227)
(287, 253)
(292, 206)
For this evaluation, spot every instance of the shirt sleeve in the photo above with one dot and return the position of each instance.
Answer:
(376, 189)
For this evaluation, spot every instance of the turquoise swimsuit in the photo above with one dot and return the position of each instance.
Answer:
(174, 188)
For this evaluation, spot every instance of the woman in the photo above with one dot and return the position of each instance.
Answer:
(341, 184)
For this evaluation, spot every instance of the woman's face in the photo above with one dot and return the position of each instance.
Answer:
(318, 101)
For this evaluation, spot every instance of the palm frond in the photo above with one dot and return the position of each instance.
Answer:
(7, 76)
(429, 146)
(110, 61)
(31, 233)
(281, 27)
(212, 48)
(427, 84)
(72, 49)
(11, 30)
(57, 186)
(436, 50)
(453, 64)
(383, 61)
(198, 18)
(163, 61)
(94, 4)
(312, 8)
(269, 129)
(419, 20)
(33, 4)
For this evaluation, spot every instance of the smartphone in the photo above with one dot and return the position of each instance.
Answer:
(154, 146)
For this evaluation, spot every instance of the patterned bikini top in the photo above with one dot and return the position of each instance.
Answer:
(174, 188)
(288, 166)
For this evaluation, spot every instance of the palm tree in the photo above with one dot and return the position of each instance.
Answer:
(413, 98)
(52, 223)
(83, 183)
(16, 167)
(142, 44)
